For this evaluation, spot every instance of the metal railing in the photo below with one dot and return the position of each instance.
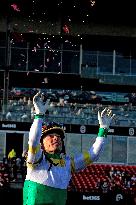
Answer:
(78, 61)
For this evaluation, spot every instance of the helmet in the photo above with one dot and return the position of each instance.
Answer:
(53, 127)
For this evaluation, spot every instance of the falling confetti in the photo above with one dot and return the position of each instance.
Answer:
(15, 7)
(65, 29)
(34, 49)
(92, 2)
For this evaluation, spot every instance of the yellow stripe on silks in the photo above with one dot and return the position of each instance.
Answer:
(30, 165)
(34, 150)
(33, 165)
(72, 165)
(87, 158)
(58, 162)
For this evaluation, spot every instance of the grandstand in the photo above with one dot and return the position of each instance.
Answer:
(88, 66)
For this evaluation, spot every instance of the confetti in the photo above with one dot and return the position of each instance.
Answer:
(65, 29)
(34, 49)
(15, 7)
(92, 2)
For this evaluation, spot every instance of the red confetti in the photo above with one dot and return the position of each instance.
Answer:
(15, 7)
(65, 29)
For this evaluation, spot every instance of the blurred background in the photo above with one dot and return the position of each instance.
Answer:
(82, 55)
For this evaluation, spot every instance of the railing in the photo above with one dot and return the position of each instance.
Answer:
(77, 61)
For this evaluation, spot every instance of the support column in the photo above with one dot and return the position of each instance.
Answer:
(7, 65)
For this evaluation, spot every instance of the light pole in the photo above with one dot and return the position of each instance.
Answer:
(7, 62)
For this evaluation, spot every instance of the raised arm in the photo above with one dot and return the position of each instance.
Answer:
(34, 150)
(82, 160)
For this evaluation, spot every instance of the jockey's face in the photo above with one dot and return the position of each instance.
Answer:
(52, 143)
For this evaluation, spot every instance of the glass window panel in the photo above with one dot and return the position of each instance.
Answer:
(18, 58)
(122, 65)
(119, 151)
(89, 63)
(90, 58)
(70, 62)
(87, 141)
(52, 61)
(131, 150)
(36, 59)
(106, 154)
(133, 66)
(2, 57)
(73, 144)
(105, 62)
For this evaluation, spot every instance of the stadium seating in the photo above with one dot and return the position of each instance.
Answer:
(87, 180)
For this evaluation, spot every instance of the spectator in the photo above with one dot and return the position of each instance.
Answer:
(23, 164)
(14, 170)
(12, 155)
(24, 117)
(105, 186)
(9, 116)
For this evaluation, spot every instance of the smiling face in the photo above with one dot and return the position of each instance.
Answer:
(52, 143)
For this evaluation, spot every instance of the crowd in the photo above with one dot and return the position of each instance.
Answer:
(65, 110)
(118, 180)
(12, 168)
(97, 178)
(108, 180)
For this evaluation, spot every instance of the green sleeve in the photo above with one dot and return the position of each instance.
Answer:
(102, 132)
